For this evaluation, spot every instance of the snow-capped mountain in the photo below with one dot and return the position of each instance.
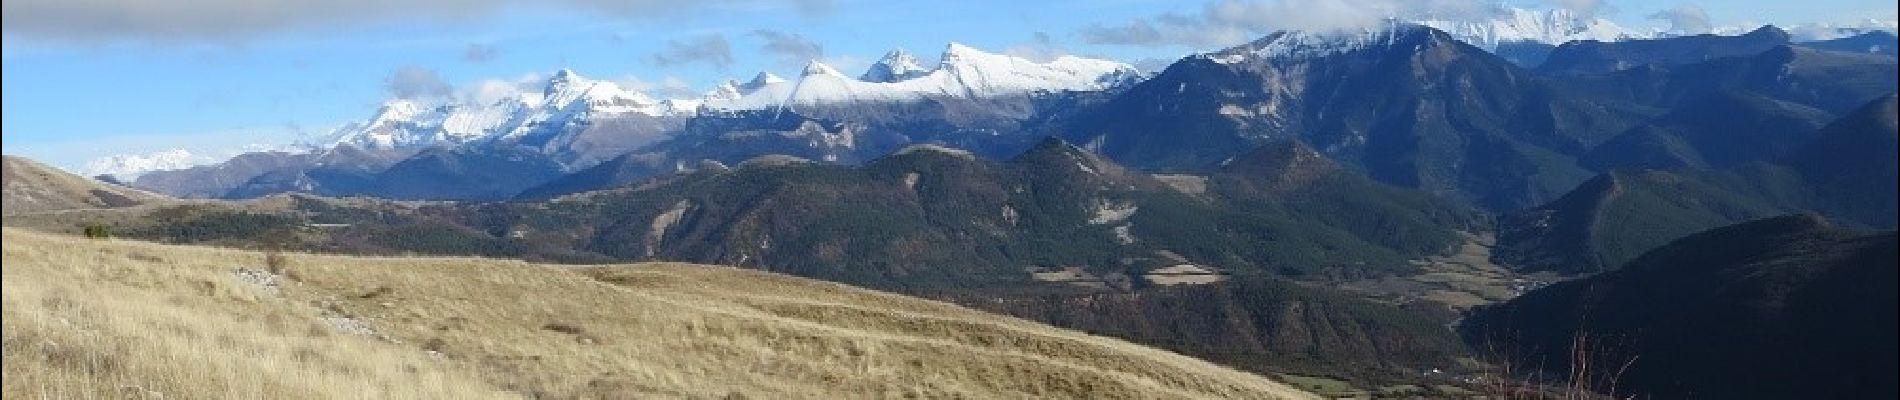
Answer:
(129, 166)
(569, 102)
(896, 66)
(1829, 31)
(1510, 24)
(963, 72)
(566, 100)
(1282, 46)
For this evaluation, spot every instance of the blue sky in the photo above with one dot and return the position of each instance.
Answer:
(87, 78)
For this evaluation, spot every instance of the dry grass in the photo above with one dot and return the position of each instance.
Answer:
(118, 319)
(29, 186)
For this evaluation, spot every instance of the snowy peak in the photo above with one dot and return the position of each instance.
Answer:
(759, 81)
(569, 102)
(964, 72)
(727, 90)
(896, 65)
(1510, 24)
(1297, 45)
(566, 101)
(561, 81)
(957, 53)
(818, 68)
(126, 167)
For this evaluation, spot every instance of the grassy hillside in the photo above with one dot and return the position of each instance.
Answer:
(29, 186)
(120, 319)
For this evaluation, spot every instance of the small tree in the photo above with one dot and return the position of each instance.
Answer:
(97, 231)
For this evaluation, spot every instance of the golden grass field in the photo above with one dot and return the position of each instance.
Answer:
(122, 319)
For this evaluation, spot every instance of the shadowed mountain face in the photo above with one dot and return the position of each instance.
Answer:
(930, 216)
(1255, 323)
(1786, 307)
(1721, 130)
(1845, 171)
(1853, 164)
(1408, 106)
(341, 170)
(463, 174)
(1832, 81)
(1595, 57)
(1876, 42)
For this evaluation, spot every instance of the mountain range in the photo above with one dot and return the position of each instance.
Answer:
(1311, 203)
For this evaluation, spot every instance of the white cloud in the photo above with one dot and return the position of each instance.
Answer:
(1685, 18)
(416, 82)
(1230, 22)
(1588, 8)
(711, 49)
(791, 49)
(1041, 47)
(480, 53)
(666, 88)
(491, 91)
(219, 20)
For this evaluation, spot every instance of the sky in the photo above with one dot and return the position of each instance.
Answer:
(88, 78)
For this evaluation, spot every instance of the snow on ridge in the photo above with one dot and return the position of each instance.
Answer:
(130, 166)
(896, 65)
(964, 72)
(1539, 26)
(1285, 45)
(566, 99)
(1815, 32)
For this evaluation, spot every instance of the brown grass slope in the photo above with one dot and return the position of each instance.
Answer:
(28, 186)
(121, 319)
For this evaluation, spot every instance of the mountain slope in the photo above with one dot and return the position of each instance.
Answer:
(985, 222)
(1835, 82)
(1596, 57)
(1853, 164)
(992, 103)
(1875, 42)
(1785, 307)
(1526, 37)
(1721, 130)
(1846, 171)
(1253, 323)
(1619, 215)
(1407, 105)
(348, 327)
(464, 174)
(29, 186)
(1052, 225)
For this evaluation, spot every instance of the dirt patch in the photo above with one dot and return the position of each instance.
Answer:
(1184, 274)
(1461, 280)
